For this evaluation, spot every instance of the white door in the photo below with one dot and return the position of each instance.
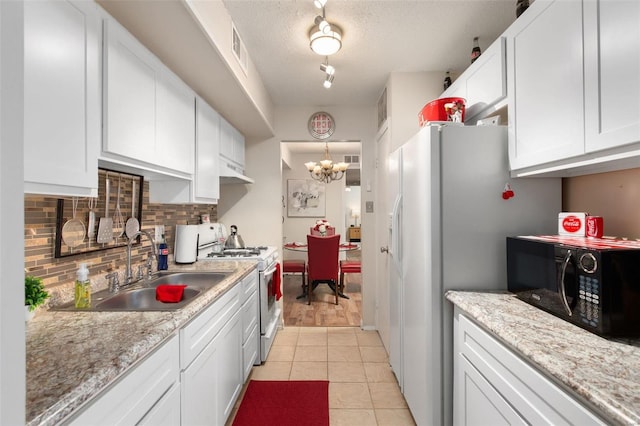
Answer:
(384, 186)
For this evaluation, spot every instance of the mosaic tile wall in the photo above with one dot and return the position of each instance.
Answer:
(40, 229)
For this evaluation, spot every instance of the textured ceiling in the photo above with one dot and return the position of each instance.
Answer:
(378, 37)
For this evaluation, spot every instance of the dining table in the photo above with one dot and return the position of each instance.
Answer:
(302, 247)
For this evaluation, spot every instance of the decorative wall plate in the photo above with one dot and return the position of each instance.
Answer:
(321, 125)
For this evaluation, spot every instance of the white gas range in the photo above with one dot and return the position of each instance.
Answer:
(210, 249)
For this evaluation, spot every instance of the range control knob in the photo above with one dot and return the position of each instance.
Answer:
(588, 263)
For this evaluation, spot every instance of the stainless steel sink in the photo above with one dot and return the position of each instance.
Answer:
(141, 296)
(144, 299)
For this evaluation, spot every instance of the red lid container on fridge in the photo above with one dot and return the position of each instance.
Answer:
(444, 109)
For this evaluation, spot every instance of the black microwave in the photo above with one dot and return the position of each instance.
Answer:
(593, 283)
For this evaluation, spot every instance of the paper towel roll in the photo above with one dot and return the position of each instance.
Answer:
(186, 248)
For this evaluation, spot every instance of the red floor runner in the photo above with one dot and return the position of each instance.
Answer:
(284, 403)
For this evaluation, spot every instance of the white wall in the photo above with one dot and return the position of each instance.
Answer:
(12, 326)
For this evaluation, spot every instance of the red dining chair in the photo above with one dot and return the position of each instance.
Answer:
(322, 265)
(348, 267)
(296, 266)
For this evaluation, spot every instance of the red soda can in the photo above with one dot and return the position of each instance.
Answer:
(595, 226)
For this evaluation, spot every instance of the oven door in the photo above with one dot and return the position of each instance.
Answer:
(267, 297)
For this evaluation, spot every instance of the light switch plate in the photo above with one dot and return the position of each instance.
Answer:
(369, 206)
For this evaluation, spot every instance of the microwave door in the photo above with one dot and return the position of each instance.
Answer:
(567, 280)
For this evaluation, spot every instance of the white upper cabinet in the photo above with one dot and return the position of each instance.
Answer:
(149, 113)
(574, 84)
(207, 176)
(544, 51)
(175, 123)
(612, 73)
(231, 145)
(62, 97)
(484, 83)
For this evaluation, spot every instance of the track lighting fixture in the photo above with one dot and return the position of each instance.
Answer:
(323, 25)
(319, 3)
(329, 69)
(328, 81)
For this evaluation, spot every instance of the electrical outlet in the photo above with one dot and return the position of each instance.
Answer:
(159, 232)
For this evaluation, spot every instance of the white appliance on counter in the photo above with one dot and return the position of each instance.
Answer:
(210, 249)
(451, 216)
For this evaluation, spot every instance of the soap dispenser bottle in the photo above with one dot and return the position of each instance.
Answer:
(83, 288)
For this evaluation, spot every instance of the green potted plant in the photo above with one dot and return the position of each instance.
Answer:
(34, 295)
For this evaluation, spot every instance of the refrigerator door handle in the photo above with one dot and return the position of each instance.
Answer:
(395, 232)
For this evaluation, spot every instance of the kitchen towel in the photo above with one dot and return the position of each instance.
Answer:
(277, 277)
(284, 403)
(170, 293)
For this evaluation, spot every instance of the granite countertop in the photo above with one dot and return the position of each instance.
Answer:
(72, 356)
(603, 372)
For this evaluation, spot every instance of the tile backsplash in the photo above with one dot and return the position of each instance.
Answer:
(40, 229)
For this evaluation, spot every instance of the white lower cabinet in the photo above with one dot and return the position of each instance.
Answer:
(194, 378)
(250, 324)
(167, 411)
(211, 362)
(492, 385)
(140, 393)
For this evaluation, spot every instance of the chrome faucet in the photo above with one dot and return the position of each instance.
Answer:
(154, 252)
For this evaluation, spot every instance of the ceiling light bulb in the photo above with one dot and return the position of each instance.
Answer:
(328, 82)
(319, 3)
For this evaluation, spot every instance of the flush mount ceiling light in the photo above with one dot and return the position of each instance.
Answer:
(325, 44)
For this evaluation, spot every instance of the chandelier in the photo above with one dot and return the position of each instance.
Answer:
(327, 170)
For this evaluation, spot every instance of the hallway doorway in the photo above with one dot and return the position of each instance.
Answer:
(341, 206)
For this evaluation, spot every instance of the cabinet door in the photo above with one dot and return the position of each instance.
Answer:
(238, 148)
(133, 396)
(545, 63)
(175, 123)
(508, 383)
(226, 139)
(129, 96)
(212, 383)
(487, 82)
(476, 402)
(612, 73)
(62, 97)
(166, 412)
(207, 173)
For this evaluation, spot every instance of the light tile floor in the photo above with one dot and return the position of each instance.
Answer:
(362, 388)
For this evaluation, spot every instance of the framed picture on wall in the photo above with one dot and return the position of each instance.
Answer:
(305, 198)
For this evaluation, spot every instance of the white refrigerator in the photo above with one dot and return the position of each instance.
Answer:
(448, 229)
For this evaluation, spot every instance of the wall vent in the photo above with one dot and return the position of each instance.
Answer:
(354, 160)
(239, 50)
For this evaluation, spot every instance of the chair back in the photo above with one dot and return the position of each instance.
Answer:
(330, 231)
(323, 256)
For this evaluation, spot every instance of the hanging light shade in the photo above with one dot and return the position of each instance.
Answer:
(325, 44)
(327, 170)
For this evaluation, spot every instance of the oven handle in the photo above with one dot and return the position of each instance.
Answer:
(270, 271)
(563, 293)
